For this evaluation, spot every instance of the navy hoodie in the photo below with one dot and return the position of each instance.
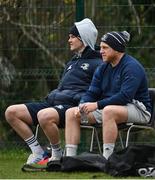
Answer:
(76, 78)
(119, 85)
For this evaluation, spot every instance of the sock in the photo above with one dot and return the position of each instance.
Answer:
(108, 149)
(71, 150)
(34, 145)
(56, 150)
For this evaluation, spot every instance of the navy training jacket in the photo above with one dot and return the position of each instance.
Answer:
(76, 78)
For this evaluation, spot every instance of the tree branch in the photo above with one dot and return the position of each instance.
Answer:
(136, 15)
(38, 41)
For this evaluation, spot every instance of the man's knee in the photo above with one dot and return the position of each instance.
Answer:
(46, 117)
(108, 114)
(10, 113)
(108, 110)
(114, 113)
(42, 116)
(70, 113)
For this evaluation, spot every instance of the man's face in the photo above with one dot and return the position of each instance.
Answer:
(108, 54)
(75, 44)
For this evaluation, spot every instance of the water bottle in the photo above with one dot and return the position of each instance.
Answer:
(84, 119)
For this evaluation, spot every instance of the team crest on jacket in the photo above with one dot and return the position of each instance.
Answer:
(85, 66)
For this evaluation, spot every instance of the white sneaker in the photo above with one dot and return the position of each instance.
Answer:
(34, 158)
(54, 159)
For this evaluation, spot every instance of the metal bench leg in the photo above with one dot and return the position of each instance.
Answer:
(36, 132)
(121, 140)
(98, 141)
(92, 140)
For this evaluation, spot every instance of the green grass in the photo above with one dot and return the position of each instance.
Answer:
(12, 160)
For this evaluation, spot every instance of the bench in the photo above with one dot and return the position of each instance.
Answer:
(125, 127)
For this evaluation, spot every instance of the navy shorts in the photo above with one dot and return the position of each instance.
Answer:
(35, 107)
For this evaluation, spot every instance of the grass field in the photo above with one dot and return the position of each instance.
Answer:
(13, 157)
(12, 160)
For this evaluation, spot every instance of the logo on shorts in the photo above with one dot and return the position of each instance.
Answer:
(59, 106)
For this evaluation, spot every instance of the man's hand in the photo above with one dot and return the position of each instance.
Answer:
(88, 107)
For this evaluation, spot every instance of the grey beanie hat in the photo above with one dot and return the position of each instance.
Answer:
(87, 31)
(116, 40)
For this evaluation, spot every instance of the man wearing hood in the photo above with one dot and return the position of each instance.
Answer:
(50, 114)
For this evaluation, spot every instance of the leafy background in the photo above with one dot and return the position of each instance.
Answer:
(34, 47)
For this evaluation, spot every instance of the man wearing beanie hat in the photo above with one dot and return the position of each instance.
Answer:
(50, 114)
(118, 93)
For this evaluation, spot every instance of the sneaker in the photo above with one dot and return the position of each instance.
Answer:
(54, 159)
(35, 158)
(44, 161)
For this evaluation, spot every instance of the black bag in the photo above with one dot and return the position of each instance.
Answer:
(131, 161)
(54, 166)
(128, 161)
(83, 162)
